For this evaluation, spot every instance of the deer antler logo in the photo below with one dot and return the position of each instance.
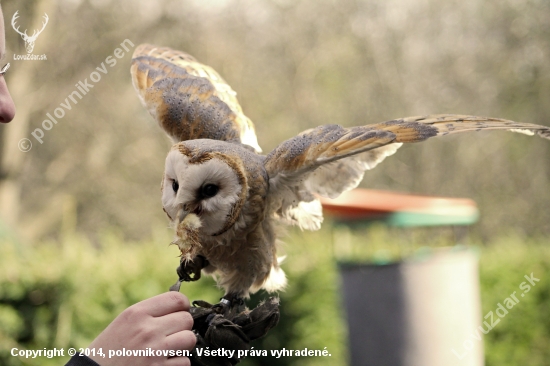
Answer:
(29, 40)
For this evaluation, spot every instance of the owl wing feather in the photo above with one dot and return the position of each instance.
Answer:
(189, 100)
(331, 159)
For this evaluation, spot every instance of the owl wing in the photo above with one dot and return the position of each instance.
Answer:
(331, 159)
(189, 100)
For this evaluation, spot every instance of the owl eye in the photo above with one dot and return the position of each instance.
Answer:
(209, 190)
(175, 185)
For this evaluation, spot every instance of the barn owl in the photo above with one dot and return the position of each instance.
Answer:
(225, 199)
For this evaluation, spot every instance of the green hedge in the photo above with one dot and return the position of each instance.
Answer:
(63, 293)
(522, 337)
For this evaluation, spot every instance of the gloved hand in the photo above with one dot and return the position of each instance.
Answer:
(229, 332)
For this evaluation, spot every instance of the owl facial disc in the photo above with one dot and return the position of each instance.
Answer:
(205, 186)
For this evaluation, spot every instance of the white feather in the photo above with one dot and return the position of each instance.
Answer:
(306, 215)
(330, 180)
(248, 136)
(525, 132)
(276, 280)
(295, 194)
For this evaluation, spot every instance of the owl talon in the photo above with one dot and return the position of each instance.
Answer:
(189, 271)
(228, 306)
(176, 286)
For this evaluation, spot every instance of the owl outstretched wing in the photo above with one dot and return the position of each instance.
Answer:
(189, 100)
(331, 159)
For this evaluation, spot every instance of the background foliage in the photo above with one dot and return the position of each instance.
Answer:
(62, 294)
(294, 65)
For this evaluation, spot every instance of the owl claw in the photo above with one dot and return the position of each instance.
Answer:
(191, 270)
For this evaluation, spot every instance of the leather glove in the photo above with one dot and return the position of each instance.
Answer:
(223, 339)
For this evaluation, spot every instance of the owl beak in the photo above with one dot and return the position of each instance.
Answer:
(182, 214)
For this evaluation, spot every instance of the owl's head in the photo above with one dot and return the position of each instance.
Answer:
(208, 183)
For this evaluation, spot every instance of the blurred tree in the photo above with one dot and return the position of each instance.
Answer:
(294, 65)
(11, 158)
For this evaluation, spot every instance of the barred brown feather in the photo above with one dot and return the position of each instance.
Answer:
(189, 100)
(332, 142)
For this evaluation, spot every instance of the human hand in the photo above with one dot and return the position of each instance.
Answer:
(160, 323)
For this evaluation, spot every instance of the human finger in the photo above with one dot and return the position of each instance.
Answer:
(166, 303)
(184, 340)
(175, 322)
(177, 361)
